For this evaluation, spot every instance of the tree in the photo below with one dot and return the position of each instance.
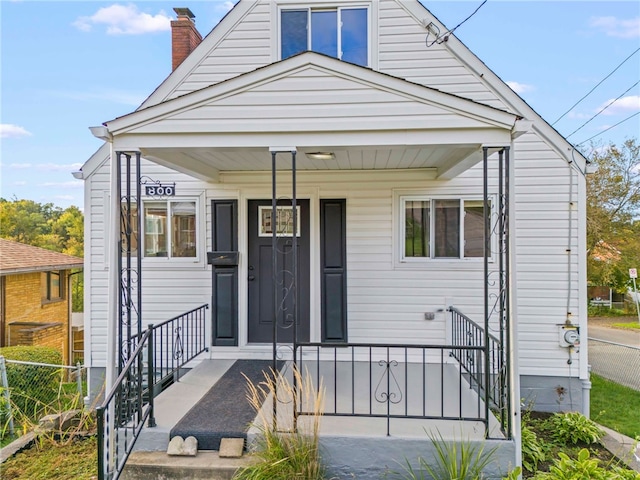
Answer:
(46, 226)
(613, 214)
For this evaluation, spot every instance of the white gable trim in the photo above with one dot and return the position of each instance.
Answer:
(461, 106)
(96, 160)
(553, 138)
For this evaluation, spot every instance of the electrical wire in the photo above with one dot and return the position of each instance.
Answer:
(599, 83)
(607, 129)
(445, 36)
(604, 108)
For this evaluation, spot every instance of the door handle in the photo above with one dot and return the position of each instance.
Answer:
(252, 278)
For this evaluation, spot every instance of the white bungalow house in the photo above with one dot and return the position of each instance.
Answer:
(434, 209)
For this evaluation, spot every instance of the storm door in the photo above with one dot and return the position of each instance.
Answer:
(260, 278)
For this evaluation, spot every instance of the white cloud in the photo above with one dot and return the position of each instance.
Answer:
(70, 184)
(20, 166)
(520, 87)
(125, 20)
(19, 183)
(614, 27)
(54, 167)
(8, 130)
(578, 116)
(64, 197)
(107, 95)
(624, 105)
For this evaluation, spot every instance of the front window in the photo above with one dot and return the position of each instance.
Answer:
(442, 228)
(338, 32)
(170, 229)
(51, 286)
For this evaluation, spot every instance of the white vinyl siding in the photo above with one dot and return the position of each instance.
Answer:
(399, 44)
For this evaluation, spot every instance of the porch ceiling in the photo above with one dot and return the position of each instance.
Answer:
(208, 163)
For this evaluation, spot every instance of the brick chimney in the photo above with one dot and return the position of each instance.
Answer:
(184, 36)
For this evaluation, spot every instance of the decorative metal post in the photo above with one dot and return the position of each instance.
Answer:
(279, 289)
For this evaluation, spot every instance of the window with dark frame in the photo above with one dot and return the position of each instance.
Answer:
(443, 228)
(52, 286)
(341, 32)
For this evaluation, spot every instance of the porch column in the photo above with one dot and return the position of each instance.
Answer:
(497, 302)
(279, 303)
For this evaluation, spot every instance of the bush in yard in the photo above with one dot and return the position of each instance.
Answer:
(573, 428)
(32, 386)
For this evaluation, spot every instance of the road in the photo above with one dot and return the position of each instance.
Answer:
(617, 335)
(620, 362)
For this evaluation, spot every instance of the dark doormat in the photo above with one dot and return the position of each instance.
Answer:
(224, 411)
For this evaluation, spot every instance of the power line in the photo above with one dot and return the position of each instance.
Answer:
(599, 83)
(607, 129)
(604, 108)
(445, 36)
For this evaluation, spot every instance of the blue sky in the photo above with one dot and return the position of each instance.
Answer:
(66, 66)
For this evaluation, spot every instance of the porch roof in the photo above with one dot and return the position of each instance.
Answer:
(367, 119)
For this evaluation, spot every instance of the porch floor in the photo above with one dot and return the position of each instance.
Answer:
(172, 404)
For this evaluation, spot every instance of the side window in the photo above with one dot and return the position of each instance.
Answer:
(51, 286)
(338, 32)
(442, 228)
(170, 229)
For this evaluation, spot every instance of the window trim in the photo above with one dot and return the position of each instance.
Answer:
(399, 249)
(169, 232)
(48, 299)
(372, 24)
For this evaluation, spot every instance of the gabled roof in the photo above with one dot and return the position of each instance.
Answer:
(20, 258)
(498, 86)
(347, 77)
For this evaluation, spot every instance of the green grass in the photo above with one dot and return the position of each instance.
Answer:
(76, 460)
(615, 406)
(629, 325)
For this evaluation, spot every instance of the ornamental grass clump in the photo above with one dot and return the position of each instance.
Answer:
(453, 460)
(283, 450)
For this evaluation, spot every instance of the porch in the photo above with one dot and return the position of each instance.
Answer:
(352, 445)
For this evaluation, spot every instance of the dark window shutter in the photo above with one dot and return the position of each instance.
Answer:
(224, 297)
(333, 267)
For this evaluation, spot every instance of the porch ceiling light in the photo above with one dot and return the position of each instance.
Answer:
(320, 155)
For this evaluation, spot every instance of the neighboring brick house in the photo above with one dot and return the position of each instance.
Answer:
(35, 296)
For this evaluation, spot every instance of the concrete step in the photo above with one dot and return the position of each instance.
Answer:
(206, 465)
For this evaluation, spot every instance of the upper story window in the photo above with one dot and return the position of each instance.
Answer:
(341, 32)
(442, 228)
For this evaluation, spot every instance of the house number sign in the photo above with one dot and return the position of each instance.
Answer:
(160, 190)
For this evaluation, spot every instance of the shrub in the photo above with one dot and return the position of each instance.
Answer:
(32, 386)
(573, 427)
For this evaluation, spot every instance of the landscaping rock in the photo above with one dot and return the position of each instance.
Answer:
(181, 447)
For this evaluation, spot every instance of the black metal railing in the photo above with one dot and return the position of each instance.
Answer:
(466, 332)
(158, 354)
(123, 413)
(176, 341)
(390, 381)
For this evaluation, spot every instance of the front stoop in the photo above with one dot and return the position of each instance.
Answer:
(206, 465)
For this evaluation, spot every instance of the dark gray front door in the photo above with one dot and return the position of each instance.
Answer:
(261, 276)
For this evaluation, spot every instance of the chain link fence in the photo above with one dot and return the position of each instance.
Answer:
(616, 362)
(30, 390)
